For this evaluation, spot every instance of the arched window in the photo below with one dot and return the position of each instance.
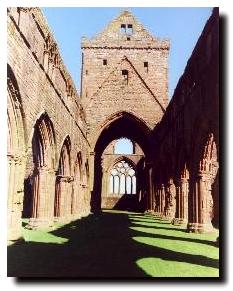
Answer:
(122, 179)
(124, 146)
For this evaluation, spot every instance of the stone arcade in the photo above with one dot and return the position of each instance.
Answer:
(62, 163)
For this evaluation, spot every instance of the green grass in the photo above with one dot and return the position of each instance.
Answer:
(165, 236)
(114, 244)
(42, 236)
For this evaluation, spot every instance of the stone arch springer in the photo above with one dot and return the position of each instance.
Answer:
(42, 155)
(114, 118)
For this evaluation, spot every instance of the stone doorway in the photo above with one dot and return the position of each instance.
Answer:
(110, 187)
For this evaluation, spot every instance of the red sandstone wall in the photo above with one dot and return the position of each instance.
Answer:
(44, 88)
(186, 142)
(105, 90)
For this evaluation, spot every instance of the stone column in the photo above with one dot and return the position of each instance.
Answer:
(181, 202)
(170, 200)
(162, 199)
(92, 169)
(87, 209)
(200, 220)
(65, 198)
(150, 189)
(104, 189)
(43, 198)
(157, 201)
(76, 199)
(15, 196)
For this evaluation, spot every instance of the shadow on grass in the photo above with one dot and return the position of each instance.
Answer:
(98, 246)
(167, 236)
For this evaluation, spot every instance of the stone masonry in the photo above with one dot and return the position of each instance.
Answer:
(61, 144)
(124, 69)
(186, 142)
(39, 85)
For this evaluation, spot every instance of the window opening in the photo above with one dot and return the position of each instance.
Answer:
(125, 75)
(129, 29)
(124, 146)
(123, 28)
(122, 179)
(146, 66)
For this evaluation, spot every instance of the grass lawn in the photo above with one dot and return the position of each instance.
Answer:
(114, 244)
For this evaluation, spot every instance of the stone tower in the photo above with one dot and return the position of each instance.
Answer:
(124, 93)
(124, 68)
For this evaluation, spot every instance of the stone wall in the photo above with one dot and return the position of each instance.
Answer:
(42, 85)
(186, 142)
(124, 70)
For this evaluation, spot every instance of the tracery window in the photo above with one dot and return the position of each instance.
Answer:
(122, 179)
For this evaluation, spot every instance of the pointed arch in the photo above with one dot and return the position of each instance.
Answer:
(78, 174)
(63, 203)
(38, 202)
(116, 119)
(120, 124)
(44, 143)
(123, 158)
(16, 152)
(64, 167)
(15, 114)
(209, 156)
(122, 172)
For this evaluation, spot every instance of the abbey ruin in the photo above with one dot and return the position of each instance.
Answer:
(62, 163)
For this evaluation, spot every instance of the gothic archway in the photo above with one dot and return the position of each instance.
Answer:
(16, 152)
(63, 189)
(120, 125)
(42, 180)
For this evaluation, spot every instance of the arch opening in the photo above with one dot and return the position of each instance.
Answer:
(128, 128)
(39, 185)
(16, 149)
(124, 146)
(63, 189)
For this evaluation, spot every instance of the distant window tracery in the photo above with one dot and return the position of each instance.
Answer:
(122, 179)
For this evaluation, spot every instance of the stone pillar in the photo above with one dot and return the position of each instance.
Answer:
(150, 190)
(64, 188)
(157, 201)
(182, 189)
(105, 188)
(86, 210)
(92, 169)
(200, 218)
(43, 198)
(76, 199)
(162, 200)
(170, 205)
(15, 196)
(172, 200)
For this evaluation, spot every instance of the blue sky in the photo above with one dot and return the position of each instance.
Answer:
(182, 26)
